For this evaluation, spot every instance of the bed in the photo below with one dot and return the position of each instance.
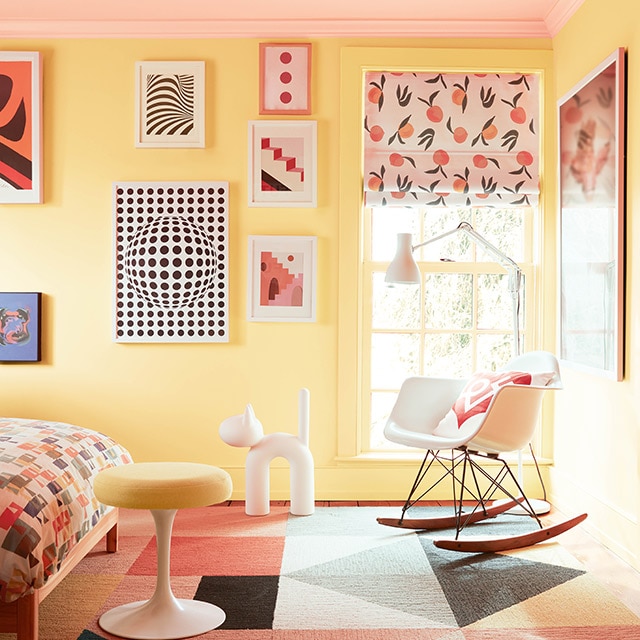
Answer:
(49, 516)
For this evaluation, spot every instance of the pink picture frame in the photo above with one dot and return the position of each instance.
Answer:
(285, 79)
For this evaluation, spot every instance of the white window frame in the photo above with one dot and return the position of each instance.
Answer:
(355, 61)
(476, 268)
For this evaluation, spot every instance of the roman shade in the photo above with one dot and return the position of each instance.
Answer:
(451, 139)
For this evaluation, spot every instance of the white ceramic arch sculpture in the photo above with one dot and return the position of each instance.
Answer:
(245, 430)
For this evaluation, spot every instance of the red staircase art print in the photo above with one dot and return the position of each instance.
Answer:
(281, 168)
(280, 283)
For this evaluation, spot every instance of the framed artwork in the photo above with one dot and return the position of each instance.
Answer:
(20, 327)
(282, 279)
(170, 104)
(171, 261)
(592, 220)
(282, 163)
(285, 79)
(20, 128)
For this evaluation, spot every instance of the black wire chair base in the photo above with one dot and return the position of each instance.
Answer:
(464, 469)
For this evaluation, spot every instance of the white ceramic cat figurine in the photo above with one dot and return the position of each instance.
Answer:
(245, 430)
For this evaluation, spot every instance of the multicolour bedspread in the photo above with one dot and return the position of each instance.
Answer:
(46, 497)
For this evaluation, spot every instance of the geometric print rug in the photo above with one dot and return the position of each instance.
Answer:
(339, 575)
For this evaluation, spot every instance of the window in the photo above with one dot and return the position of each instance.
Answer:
(359, 260)
(440, 149)
(458, 320)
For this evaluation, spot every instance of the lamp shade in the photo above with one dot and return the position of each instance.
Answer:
(403, 268)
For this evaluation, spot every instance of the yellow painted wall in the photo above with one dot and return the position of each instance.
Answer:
(597, 425)
(166, 401)
(161, 401)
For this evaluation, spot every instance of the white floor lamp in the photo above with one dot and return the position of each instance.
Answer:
(404, 270)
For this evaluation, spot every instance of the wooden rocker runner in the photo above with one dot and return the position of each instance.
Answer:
(465, 427)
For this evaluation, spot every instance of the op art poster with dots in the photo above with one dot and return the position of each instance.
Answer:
(171, 261)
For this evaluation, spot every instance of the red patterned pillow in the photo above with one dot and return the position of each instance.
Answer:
(474, 400)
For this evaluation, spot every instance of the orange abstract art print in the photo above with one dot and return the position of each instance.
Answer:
(20, 166)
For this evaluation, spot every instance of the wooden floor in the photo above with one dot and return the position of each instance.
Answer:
(619, 577)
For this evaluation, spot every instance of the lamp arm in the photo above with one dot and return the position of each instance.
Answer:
(440, 237)
(502, 258)
(514, 270)
(404, 269)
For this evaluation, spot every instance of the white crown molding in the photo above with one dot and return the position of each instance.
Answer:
(276, 28)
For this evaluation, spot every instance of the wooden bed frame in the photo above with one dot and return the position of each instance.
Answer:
(21, 616)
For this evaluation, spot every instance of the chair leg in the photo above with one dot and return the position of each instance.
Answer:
(163, 617)
(473, 492)
(525, 504)
(425, 465)
(469, 487)
(448, 465)
(497, 484)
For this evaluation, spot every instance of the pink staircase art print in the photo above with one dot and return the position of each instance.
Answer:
(281, 281)
(281, 168)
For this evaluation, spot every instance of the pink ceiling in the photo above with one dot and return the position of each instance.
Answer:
(284, 18)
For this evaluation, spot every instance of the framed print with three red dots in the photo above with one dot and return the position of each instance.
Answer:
(285, 79)
(171, 261)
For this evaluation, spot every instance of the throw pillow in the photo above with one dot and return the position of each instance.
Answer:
(474, 400)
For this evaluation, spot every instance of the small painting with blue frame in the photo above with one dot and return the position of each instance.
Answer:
(20, 327)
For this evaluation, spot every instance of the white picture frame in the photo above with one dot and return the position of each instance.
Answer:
(21, 152)
(282, 163)
(282, 279)
(171, 265)
(170, 104)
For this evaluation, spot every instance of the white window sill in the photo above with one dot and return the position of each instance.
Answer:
(408, 458)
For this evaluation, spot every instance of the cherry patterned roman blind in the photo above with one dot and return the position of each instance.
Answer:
(451, 139)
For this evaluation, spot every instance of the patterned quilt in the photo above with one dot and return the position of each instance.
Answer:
(46, 497)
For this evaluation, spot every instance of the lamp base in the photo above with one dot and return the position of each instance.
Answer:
(540, 507)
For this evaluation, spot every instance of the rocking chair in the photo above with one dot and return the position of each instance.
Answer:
(463, 425)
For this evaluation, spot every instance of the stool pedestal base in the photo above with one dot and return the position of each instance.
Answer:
(154, 620)
(163, 617)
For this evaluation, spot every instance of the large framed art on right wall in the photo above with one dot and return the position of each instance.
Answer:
(592, 220)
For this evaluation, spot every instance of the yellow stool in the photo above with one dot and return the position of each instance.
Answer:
(163, 488)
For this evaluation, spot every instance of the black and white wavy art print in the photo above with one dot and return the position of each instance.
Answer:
(170, 104)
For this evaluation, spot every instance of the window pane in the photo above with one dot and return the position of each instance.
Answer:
(494, 351)
(448, 355)
(381, 405)
(495, 304)
(456, 246)
(448, 301)
(386, 223)
(394, 307)
(456, 324)
(394, 357)
(503, 228)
